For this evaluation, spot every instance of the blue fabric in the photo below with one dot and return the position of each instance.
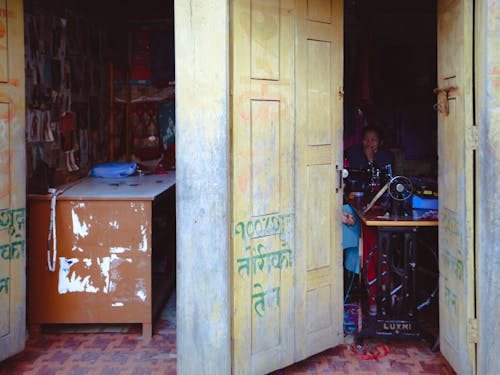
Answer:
(113, 170)
(350, 241)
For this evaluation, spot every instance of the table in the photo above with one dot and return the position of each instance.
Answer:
(396, 275)
(113, 237)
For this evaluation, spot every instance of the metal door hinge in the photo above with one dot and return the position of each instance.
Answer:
(473, 331)
(473, 137)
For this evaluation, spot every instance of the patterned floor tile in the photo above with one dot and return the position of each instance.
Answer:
(122, 351)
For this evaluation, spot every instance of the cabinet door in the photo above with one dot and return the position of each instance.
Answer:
(12, 180)
(456, 188)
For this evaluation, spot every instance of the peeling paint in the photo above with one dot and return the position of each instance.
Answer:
(141, 294)
(114, 224)
(76, 248)
(74, 283)
(105, 266)
(143, 246)
(117, 304)
(79, 229)
(118, 250)
(88, 262)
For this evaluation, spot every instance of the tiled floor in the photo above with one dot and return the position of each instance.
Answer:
(409, 358)
(109, 350)
(100, 349)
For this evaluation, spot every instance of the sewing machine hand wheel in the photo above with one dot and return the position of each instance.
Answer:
(400, 188)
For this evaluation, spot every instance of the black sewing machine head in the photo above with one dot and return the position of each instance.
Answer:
(400, 191)
(369, 181)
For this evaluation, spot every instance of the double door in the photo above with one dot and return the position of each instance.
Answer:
(286, 127)
(287, 132)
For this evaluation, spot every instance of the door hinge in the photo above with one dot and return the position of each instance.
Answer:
(473, 331)
(473, 137)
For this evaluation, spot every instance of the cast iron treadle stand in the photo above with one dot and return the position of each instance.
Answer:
(396, 288)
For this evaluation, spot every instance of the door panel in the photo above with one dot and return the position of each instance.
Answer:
(318, 272)
(287, 287)
(456, 240)
(262, 175)
(265, 39)
(12, 180)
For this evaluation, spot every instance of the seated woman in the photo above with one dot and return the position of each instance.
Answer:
(363, 156)
(370, 151)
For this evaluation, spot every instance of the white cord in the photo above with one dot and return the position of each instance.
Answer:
(52, 226)
(52, 232)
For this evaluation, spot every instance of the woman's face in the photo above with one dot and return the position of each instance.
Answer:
(370, 143)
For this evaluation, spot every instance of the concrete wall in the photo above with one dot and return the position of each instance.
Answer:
(488, 184)
(12, 181)
(202, 141)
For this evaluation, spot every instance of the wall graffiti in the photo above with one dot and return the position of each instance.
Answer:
(263, 226)
(264, 259)
(450, 324)
(454, 265)
(13, 250)
(260, 301)
(451, 300)
(4, 285)
(448, 221)
(14, 221)
(257, 260)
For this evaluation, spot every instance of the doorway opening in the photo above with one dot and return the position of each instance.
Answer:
(390, 72)
(100, 88)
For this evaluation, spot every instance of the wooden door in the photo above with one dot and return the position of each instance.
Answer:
(456, 188)
(318, 254)
(12, 180)
(263, 209)
(281, 186)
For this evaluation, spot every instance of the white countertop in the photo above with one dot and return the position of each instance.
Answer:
(135, 187)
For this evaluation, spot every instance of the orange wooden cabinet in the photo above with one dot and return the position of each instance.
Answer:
(105, 232)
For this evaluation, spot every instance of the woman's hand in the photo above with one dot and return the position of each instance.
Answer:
(348, 219)
(370, 152)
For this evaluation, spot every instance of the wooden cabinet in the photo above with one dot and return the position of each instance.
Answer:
(113, 236)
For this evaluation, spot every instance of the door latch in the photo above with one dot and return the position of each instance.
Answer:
(443, 96)
(342, 173)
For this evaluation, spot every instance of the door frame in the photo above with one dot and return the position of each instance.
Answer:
(202, 186)
(487, 183)
(203, 166)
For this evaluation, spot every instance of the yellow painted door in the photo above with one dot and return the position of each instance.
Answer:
(263, 208)
(12, 180)
(318, 249)
(275, 195)
(456, 189)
